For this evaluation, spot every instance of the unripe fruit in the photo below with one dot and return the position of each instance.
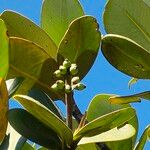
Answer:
(79, 86)
(73, 69)
(66, 63)
(75, 80)
(54, 87)
(60, 84)
(57, 73)
(63, 70)
(67, 88)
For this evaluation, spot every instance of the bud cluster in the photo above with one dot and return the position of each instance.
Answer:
(67, 70)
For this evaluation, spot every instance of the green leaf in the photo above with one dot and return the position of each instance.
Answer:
(19, 26)
(132, 81)
(42, 148)
(47, 117)
(27, 146)
(3, 50)
(126, 56)
(145, 136)
(57, 15)
(100, 106)
(87, 147)
(116, 134)
(81, 42)
(129, 18)
(33, 129)
(45, 100)
(147, 2)
(105, 123)
(13, 85)
(3, 109)
(36, 67)
(130, 98)
(123, 145)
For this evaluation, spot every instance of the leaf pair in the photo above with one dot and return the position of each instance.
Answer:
(110, 103)
(129, 54)
(39, 124)
(116, 137)
(105, 123)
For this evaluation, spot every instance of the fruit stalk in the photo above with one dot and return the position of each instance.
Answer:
(68, 101)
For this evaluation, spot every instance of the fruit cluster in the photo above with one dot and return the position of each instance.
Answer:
(67, 71)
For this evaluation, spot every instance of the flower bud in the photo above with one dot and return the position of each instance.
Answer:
(60, 84)
(73, 69)
(79, 86)
(75, 80)
(57, 73)
(54, 87)
(67, 88)
(66, 63)
(63, 70)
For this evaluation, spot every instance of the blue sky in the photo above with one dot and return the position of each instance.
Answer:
(102, 78)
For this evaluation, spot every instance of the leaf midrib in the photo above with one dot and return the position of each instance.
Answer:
(135, 23)
(29, 76)
(23, 37)
(129, 56)
(78, 41)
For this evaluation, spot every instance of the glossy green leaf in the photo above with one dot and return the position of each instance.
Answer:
(27, 146)
(42, 148)
(81, 42)
(100, 106)
(87, 147)
(45, 100)
(130, 98)
(3, 50)
(129, 18)
(105, 123)
(57, 15)
(20, 26)
(126, 56)
(132, 81)
(116, 134)
(145, 136)
(36, 67)
(47, 117)
(123, 145)
(33, 129)
(13, 85)
(3, 109)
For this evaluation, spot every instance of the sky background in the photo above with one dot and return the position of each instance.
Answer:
(102, 78)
